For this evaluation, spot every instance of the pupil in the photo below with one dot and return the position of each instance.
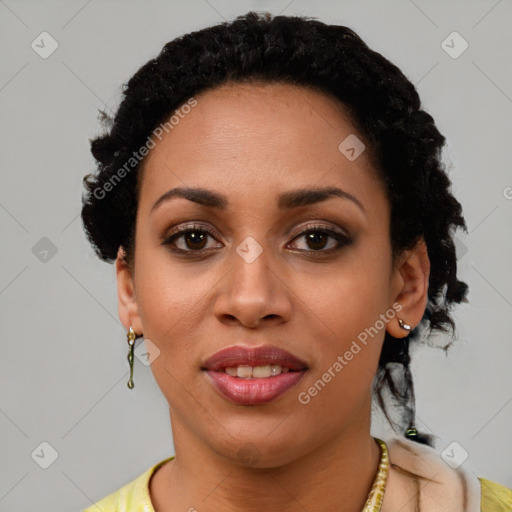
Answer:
(196, 239)
(316, 238)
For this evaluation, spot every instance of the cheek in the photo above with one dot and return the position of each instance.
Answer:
(348, 340)
(174, 302)
(169, 307)
(169, 294)
(345, 315)
(348, 300)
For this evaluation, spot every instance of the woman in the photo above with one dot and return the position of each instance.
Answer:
(281, 223)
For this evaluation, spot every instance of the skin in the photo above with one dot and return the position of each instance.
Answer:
(251, 143)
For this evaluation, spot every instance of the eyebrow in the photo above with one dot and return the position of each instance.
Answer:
(291, 199)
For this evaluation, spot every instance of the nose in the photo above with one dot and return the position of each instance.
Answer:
(253, 293)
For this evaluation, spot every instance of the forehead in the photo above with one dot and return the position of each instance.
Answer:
(257, 115)
(258, 135)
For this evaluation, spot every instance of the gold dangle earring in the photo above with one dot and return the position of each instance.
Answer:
(131, 337)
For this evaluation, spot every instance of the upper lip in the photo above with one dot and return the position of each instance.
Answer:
(237, 355)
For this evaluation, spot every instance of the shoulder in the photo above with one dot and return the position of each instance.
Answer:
(132, 497)
(450, 482)
(495, 497)
(442, 482)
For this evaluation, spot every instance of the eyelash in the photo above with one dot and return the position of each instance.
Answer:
(342, 239)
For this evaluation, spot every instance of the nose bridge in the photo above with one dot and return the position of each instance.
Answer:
(251, 276)
(253, 290)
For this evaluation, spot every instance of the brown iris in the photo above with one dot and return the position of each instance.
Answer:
(317, 239)
(197, 239)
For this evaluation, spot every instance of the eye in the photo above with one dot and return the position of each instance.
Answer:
(317, 239)
(192, 238)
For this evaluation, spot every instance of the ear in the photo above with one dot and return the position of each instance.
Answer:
(411, 289)
(126, 299)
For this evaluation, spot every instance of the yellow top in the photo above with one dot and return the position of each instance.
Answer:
(134, 496)
(495, 497)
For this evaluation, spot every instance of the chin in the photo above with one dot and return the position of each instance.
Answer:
(263, 451)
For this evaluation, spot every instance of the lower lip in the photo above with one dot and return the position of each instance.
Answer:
(242, 391)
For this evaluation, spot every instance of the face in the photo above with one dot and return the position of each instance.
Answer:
(262, 265)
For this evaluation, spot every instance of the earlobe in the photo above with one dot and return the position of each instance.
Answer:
(414, 273)
(127, 303)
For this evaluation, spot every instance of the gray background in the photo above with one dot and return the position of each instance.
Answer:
(63, 363)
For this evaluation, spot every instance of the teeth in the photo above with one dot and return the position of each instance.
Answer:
(262, 371)
(275, 369)
(244, 371)
(257, 372)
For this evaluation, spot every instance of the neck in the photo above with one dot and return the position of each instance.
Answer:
(335, 476)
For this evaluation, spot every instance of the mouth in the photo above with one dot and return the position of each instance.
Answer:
(253, 376)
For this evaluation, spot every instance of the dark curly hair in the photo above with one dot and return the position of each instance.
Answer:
(402, 140)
